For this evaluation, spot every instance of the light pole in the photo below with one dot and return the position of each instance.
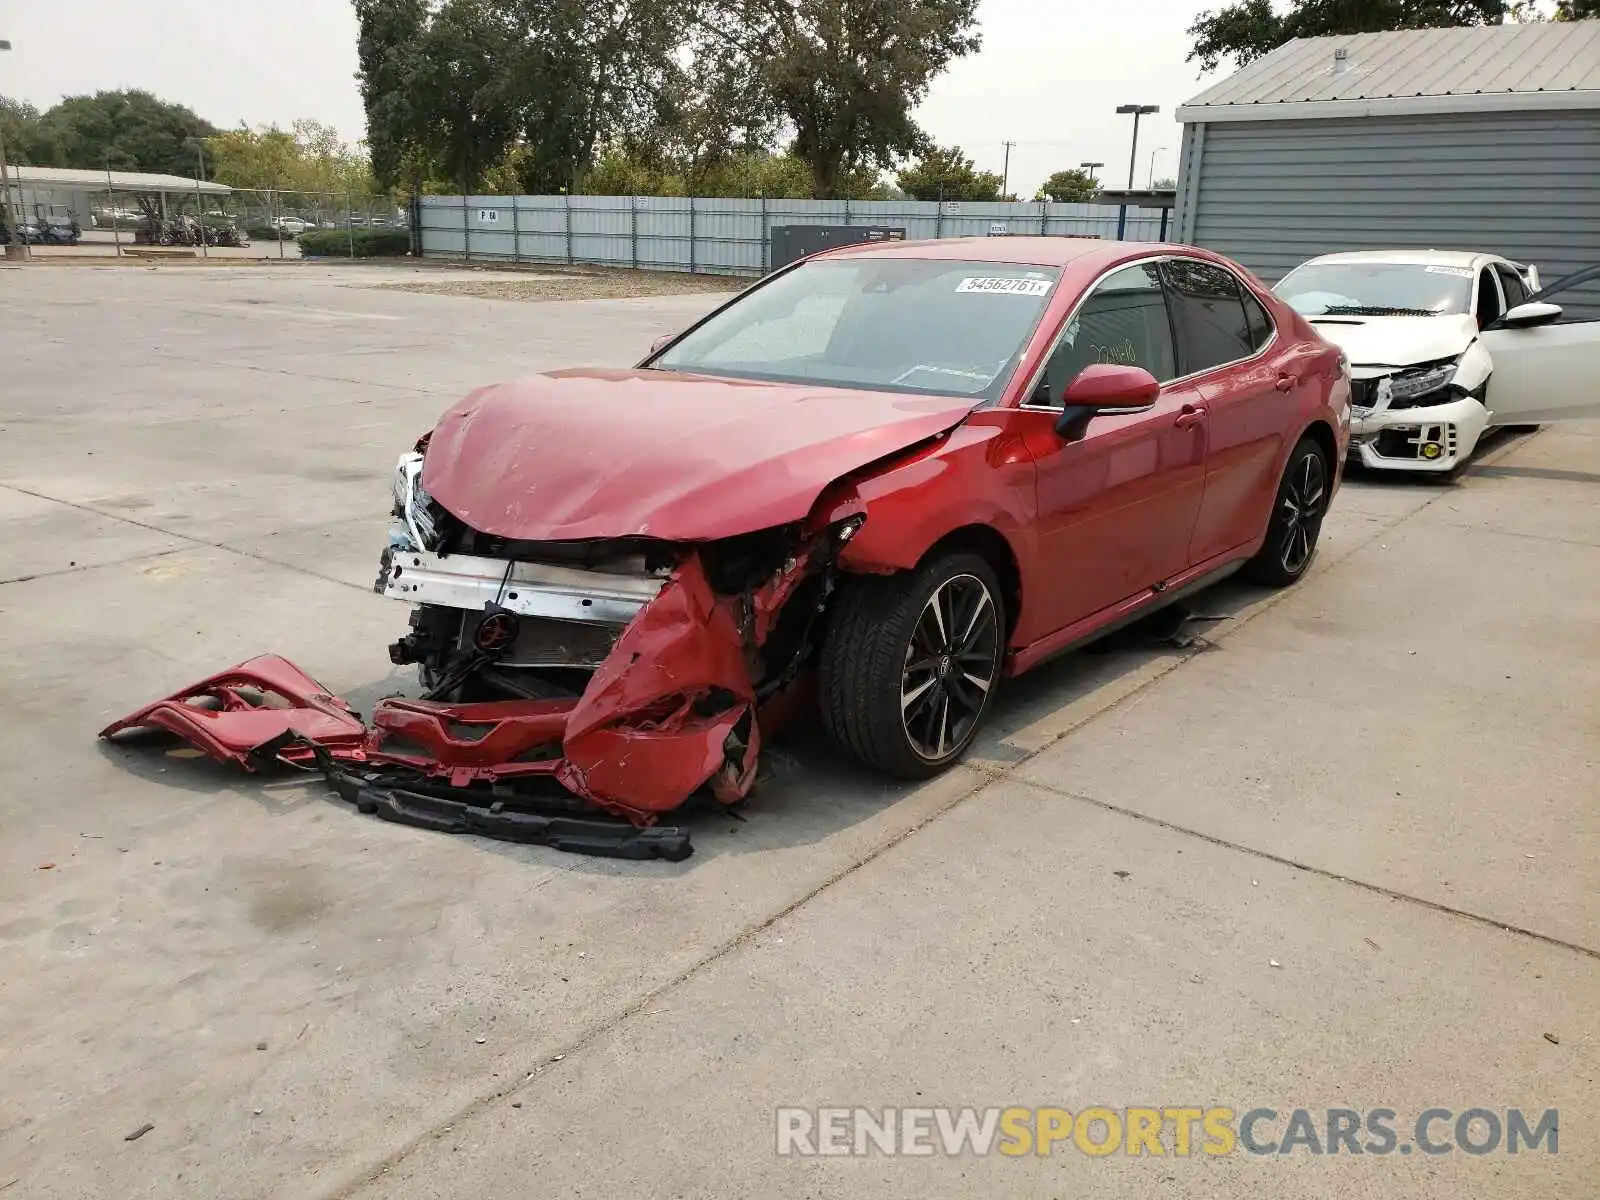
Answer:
(1091, 167)
(199, 204)
(1005, 171)
(1137, 111)
(1150, 181)
(16, 248)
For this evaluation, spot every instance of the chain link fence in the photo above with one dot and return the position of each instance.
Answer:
(263, 222)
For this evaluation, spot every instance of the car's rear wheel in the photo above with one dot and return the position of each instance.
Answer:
(911, 664)
(1296, 522)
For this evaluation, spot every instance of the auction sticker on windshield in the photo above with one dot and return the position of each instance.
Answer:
(1010, 287)
(1458, 272)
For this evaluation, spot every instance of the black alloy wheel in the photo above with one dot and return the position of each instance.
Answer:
(911, 664)
(952, 661)
(1296, 521)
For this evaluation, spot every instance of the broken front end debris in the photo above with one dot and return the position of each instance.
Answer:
(631, 672)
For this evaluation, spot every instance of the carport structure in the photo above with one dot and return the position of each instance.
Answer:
(31, 188)
(1476, 139)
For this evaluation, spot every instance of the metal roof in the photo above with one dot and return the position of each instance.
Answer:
(1141, 197)
(121, 181)
(1484, 68)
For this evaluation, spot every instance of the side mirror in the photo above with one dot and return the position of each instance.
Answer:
(660, 343)
(1100, 387)
(1535, 312)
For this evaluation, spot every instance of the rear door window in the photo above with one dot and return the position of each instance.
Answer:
(1208, 315)
(1257, 318)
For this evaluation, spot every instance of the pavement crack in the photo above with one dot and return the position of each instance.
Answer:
(292, 374)
(1365, 885)
(96, 566)
(1521, 535)
(173, 533)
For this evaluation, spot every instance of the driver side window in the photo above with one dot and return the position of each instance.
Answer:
(1123, 320)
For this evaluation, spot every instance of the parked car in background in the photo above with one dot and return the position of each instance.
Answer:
(290, 226)
(918, 467)
(27, 232)
(1444, 344)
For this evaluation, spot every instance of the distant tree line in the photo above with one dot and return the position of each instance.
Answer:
(136, 131)
(780, 97)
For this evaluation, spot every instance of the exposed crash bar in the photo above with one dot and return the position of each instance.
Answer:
(527, 588)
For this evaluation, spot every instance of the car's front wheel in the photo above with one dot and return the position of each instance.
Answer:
(1296, 522)
(912, 662)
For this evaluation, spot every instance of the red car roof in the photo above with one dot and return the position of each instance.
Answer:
(1081, 259)
(1032, 251)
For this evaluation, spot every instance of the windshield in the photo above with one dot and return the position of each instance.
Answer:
(936, 326)
(1376, 289)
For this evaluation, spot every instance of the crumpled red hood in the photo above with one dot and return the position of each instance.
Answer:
(606, 454)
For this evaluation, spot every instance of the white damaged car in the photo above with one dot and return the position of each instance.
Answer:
(1443, 344)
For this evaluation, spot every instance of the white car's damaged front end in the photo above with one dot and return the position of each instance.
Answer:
(1427, 416)
(1409, 324)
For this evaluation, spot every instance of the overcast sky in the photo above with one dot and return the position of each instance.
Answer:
(1048, 76)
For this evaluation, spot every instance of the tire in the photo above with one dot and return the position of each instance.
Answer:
(1298, 508)
(884, 644)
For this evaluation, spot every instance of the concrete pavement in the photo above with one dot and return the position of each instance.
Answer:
(1381, 781)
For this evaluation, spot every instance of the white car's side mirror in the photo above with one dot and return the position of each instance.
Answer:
(1535, 312)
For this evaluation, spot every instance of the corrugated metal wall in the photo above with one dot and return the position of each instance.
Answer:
(1275, 193)
(720, 236)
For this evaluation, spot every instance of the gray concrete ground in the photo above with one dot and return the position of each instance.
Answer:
(1345, 852)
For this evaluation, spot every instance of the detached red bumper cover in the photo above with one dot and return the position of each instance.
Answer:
(670, 711)
(235, 713)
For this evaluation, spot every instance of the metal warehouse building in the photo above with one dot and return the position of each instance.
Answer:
(1476, 139)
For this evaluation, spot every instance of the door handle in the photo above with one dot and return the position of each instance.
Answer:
(1190, 415)
(1286, 382)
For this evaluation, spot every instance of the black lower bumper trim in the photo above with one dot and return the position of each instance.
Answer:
(602, 838)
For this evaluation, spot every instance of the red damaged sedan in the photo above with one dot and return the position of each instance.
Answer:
(904, 470)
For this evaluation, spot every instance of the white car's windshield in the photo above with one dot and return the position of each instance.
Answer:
(1376, 289)
(933, 326)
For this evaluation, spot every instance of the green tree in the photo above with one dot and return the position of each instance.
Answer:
(127, 130)
(453, 91)
(710, 114)
(469, 90)
(27, 140)
(328, 163)
(944, 173)
(1577, 10)
(310, 158)
(1248, 29)
(390, 61)
(846, 75)
(1074, 186)
(261, 158)
(760, 173)
(669, 93)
